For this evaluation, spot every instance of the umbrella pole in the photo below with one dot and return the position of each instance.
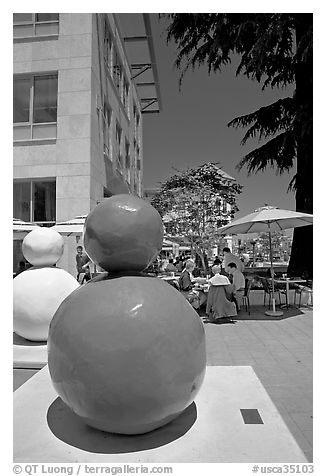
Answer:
(273, 312)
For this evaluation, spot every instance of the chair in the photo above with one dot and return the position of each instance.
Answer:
(267, 286)
(218, 302)
(281, 290)
(303, 289)
(245, 297)
(175, 284)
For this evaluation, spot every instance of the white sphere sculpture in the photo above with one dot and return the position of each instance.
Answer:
(38, 292)
(43, 247)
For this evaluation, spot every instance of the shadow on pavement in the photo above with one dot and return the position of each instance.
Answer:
(70, 428)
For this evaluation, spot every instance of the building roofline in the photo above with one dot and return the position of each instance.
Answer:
(149, 35)
(140, 67)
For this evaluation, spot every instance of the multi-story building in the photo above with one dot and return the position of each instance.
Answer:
(82, 82)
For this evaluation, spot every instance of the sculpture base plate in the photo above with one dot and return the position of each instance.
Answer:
(29, 354)
(233, 420)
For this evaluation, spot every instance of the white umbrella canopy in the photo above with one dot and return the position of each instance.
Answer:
(72, 227)
(21, 228)
(267, 219)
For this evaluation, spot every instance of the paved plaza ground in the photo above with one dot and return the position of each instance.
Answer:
(280, 352)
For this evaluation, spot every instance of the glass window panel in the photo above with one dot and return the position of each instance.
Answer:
(44, 201)
(107, 112)
(23, 17)
(118, 134)
(47, 29)
(23, 31)
(47, 131)
(47, 16)
(21, 93)
(22, 133)
(45, 98)
(21, 201)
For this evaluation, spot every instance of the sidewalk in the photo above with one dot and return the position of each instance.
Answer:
(280, 352)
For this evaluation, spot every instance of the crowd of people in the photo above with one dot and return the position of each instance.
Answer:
(227, 270)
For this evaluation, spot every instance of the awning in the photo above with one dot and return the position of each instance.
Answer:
(136, 32)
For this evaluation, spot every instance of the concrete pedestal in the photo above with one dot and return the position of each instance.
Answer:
(232, 420)
(29, 354)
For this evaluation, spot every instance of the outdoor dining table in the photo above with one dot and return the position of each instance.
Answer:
(169, 278)
(287, 282)
(202, 287)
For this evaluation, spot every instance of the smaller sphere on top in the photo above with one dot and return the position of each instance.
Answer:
(123, 233)
(43, 247)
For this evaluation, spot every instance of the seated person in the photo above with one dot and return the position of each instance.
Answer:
(179, 265)
(170, 266)
(231, 258)
(186, 284)
(218, 279)
(217, 260)
(238, 284)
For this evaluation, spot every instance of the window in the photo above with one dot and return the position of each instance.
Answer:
(118, 131)
(118, 135)
(136, 122)
(117, 71)
(29, 25)
(128, 162)
(35, 200)
(107, 114)
(125, 94)
(114, 67)
(108, 47)
(137, 159)
(35, 107)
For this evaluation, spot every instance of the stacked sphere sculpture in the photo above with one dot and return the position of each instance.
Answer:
(39, 291)
(126, 352)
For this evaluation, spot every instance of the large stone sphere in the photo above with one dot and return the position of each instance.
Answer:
(127, 354)
(43, 247)
(122, 233)
(38, 292)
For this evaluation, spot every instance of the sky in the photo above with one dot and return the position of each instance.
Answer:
(192, 127)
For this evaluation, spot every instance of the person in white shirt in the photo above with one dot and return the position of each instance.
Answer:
(218, 279)
(231, 258)
(238, 283)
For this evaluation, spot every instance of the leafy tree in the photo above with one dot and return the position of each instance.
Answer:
(263, 240)
(192, 204)
(274, 49)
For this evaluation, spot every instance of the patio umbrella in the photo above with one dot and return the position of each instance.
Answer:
(21, 228)
(267, 219)
(74, 227)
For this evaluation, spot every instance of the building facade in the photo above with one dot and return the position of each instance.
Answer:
(78, 106)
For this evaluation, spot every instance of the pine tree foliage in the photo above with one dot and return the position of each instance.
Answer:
(276, 50)
(265, 44)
